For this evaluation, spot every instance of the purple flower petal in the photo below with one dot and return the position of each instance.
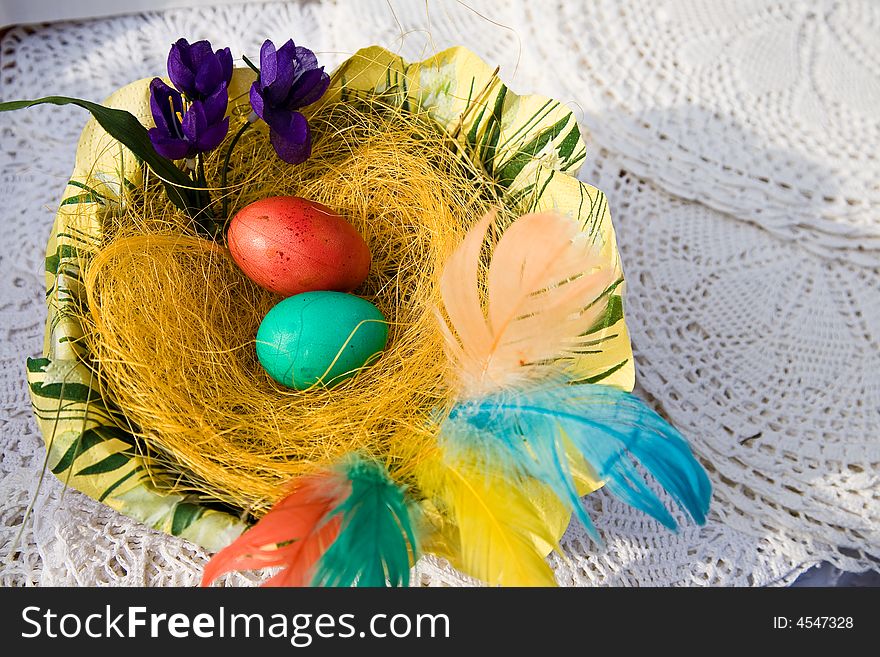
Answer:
(215, 104)
(165, 105)
(179, 66)
(289, 79)
(168, 147)
(268, 64)
(256, 100)
(290, 152)
(283, 69)
(200, 129)
(199, 54)
(279, 118)
(196, 70)
(183, 47)
(308, 88)
(292, 142)
(304, 58)
(208, 76)
(287, 52)
(225, 58)
(212, 137)
(194, 122)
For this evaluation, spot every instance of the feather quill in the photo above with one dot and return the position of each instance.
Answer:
(497, 525)
(376, 541)
(293, 534)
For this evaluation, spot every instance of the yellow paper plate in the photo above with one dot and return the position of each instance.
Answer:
(530, 144)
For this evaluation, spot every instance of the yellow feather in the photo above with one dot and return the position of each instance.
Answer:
(497, 527)
(543, 281)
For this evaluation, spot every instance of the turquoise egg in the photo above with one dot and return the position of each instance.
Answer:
(301, 337)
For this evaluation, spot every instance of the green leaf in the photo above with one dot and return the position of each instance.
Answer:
(524, 155)
(123, 126)
(37, 364)
(185, 514)
(85, 441)
(73, 392)
(475, 128)
(82, 198)
(63, 252)
(566, 148)
(603, 375)
(116, 484)
(91, 190)
(492, 132)
(613, 314)
(108, 464)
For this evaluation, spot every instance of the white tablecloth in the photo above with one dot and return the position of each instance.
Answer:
(737, 142)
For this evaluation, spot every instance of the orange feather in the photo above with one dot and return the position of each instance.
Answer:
(293, 534)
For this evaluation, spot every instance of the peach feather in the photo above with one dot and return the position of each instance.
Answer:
(543, 281)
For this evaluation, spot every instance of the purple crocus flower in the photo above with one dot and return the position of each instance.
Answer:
(197, 71)
(289, 79)
(182, 135)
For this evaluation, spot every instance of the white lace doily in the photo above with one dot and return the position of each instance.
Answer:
(764, 109)
(763, 353)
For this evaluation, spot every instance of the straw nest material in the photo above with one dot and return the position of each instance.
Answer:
(170, 321)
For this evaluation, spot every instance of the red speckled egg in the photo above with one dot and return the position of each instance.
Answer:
(291, 245)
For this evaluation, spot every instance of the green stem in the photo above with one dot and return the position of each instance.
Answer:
(251, 64)
(225, 170)
(204, 194)
(201, 213)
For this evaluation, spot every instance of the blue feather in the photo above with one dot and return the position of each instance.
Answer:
(532, 433)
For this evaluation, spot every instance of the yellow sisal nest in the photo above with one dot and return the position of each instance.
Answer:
(170, 319)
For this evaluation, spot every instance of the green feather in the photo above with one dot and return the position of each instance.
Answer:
(376, 537)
